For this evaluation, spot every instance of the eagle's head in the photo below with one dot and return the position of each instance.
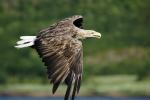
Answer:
(74, 26)
(80, 32)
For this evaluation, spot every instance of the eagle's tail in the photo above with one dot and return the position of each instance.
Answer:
(26, 41)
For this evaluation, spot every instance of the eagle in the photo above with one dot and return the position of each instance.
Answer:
(60, 48)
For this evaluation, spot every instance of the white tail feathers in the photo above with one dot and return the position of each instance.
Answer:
(26, 41)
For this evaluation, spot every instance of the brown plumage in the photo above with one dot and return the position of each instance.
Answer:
(60, 48)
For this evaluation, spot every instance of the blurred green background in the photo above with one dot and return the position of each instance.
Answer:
(118, 63)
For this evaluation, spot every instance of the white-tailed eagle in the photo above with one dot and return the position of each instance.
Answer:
(60, 48)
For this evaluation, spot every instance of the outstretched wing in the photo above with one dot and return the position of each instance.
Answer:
(63, 58)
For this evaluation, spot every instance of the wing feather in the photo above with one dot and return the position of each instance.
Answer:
(69, 86)
(63, 58)
(75, 88)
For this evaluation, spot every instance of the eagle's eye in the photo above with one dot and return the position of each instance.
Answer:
(78, 23)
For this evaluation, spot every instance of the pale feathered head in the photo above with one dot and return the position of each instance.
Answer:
(74, 25)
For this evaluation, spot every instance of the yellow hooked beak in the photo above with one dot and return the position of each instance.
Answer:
(91, 33)
(96, 34)
(82, 34)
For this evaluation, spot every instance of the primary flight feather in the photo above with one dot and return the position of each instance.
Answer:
(60, 48)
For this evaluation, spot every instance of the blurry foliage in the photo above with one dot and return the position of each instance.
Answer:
(122, 23)
(3, 78)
